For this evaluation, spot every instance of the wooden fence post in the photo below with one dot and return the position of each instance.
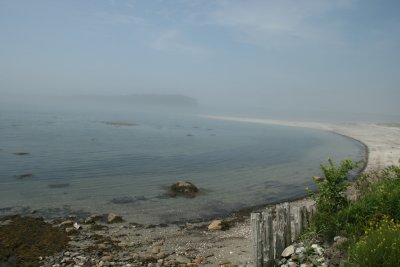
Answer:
(269, 245)
(283, 231)
(257, 234)
(271, 234)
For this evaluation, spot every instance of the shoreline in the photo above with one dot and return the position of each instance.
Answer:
(192, 241)
(382, 142)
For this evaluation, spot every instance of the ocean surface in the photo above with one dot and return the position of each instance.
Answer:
(124, 160)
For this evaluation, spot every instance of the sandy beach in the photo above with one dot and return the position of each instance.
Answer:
(126, 244)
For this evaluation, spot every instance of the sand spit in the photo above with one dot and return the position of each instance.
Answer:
(382, 140)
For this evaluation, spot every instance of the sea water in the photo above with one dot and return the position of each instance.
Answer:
(124, 161)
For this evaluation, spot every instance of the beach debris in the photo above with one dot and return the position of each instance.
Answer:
(77, 226)
(218, 225)
(114, 218)
(21, 153)
(25, 175)
(183, 188)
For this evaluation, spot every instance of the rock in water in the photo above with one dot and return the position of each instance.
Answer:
(113, 218)
(183, 188)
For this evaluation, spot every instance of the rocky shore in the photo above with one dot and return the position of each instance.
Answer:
(109, 241)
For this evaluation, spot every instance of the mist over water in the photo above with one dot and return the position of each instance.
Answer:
(121, 158)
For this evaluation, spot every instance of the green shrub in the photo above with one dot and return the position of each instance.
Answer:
(330, 197)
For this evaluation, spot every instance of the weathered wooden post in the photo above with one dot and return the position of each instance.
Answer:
(283, 231)
(257, 234)
(272, 233)
(297, 223)
(268, 240)
(304, 217)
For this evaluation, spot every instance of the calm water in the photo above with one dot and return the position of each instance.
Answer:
(78, 163)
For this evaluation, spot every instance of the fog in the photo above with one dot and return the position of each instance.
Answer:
(309, 60)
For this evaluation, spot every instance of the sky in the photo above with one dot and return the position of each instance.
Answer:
(333, 55)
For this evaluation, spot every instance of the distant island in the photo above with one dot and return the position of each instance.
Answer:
(165, 100)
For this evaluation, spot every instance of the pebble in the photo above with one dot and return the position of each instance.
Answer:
(155, 250)
(182, 259)
(287, 252)
(215, 225)
(106, 258)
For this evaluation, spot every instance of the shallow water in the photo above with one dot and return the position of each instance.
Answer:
(123, 161)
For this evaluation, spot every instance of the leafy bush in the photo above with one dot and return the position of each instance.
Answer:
(330, 197)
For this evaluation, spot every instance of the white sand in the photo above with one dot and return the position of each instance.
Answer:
(382, 141)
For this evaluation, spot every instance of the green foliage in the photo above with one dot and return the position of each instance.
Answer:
(378, 247)
(381, 198)
(330, 197)
(372, 222)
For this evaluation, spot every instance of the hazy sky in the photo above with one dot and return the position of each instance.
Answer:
(298, 54)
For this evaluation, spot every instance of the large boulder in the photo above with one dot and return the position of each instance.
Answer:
(183, 188)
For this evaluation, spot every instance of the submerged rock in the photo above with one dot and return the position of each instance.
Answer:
(183, 188)
(25, 175)
(127, 199)
(21, 153)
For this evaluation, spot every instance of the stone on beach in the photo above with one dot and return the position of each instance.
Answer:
(92, 219)
(217, 225)
(288, 251)
(183, 188)
(182, 260)
(114, 218)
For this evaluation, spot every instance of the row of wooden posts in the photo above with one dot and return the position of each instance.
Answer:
(275, 228)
